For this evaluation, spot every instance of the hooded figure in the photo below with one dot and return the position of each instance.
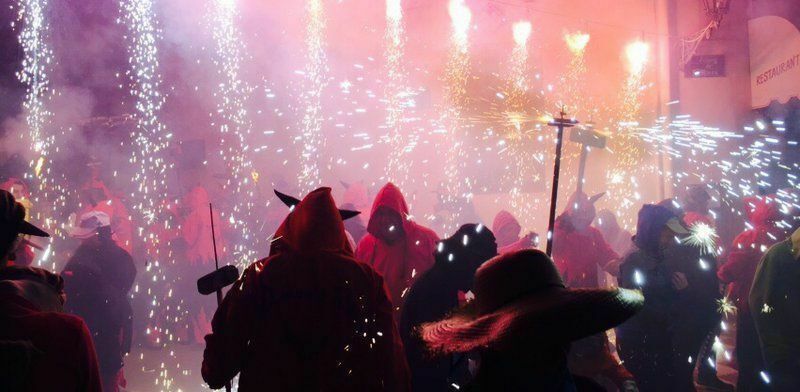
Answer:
(435, 294)
(579, 248)
(398, 248)
(775, 306)
(196, 228)
(522, 321)
(506, 228)
(98, 278)
(617, 238)
(99, 198)
(309, 317)
(738, 271)
(662, 343)
(696, 206)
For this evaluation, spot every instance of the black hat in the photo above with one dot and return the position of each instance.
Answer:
(12, 216)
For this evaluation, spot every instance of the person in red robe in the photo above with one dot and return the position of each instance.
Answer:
(397, 247)
(507, 229)
(309, 317)
(578, 250)
(696, 206)
(738, 272)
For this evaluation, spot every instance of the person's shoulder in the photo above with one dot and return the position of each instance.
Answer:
(66, 325)
(426, 233)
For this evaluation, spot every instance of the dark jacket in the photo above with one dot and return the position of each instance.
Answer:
(97, 280)
(775, 305)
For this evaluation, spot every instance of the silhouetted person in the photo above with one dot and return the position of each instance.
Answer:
(660, 345)
(522, 321)
(44, 349)
(309, 317)
(98, 278)
(507, 230)
(738, 272)
(775, 306)
(396, 246)
(436, 293)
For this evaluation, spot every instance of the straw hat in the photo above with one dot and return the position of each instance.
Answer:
(520, 296)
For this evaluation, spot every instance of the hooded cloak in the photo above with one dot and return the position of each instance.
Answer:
(401, 261)
(308, 317)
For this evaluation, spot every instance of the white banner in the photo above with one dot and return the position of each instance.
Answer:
(774, 60)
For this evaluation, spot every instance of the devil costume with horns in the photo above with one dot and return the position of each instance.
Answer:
(308, 317)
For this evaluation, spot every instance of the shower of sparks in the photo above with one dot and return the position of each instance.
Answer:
(571, 92)
(151, 142)
(725, 306)
(235, 125)
(397, 97)
(457, 183)
(312, 140)
(702, 236)
(576, 42)
(37, 63)
(637, 54)
(519, 129)
(36, 66)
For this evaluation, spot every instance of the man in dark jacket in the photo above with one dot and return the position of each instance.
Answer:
(98, 278)
(48, 350)
(436, 293)
(775, 306)
(309, 317)
(645, 341)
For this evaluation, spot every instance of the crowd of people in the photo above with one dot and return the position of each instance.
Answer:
(379, 302)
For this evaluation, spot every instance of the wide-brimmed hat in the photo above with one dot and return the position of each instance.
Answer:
(12, 216)
(519, 297)
(87, 225)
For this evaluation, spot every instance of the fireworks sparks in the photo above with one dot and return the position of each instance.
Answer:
(235, 124)
(637, 53)
(36, 63)
(726, 307)
(315, 80)
(457, 182)
(702, 236)
(398, 166)
(576, 42)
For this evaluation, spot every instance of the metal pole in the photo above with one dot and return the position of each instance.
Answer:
(560, 123)
(216, 267)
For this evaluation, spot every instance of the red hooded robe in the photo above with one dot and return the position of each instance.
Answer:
(502, 220)
(412, 255)
(578, 254)
(309, 317)
(749, 247)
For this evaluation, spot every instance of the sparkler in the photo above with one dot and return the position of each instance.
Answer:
(151, 141)
(457, 183)
(397, 168)
(315, 73)
(702, 236)
(232, 93)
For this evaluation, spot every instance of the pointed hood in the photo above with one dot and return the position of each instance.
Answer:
(389, 197)
(762, 210)
(502, 220)
(314, 225)
(197, 198)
